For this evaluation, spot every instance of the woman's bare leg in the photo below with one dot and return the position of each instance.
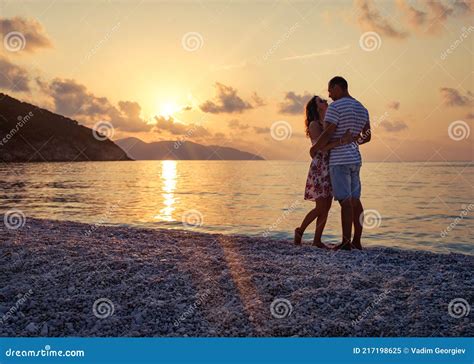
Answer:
(321, 207)
(308, 219)
(325, 204)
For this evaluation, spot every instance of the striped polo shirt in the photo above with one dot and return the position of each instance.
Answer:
(346, 113)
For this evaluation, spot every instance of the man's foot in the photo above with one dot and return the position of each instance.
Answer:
(320, 245)
(356, 244)
(298, 236)
(343, 246)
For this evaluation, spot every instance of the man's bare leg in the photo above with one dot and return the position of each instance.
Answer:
(358, 218)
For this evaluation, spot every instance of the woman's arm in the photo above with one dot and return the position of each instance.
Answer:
(347, 138)
(365, 135)
(323, 139)
(332, 145)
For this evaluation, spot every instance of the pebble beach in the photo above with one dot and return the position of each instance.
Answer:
(61, 278)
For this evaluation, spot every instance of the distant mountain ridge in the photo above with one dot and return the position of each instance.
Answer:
(181, 150)
(31, 134)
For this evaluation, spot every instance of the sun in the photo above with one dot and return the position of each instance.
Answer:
(168, 109)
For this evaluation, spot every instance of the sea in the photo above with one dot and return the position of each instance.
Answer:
(419, 205)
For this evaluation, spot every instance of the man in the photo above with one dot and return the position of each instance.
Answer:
(345, 113)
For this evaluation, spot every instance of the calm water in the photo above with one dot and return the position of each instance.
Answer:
(410, 205)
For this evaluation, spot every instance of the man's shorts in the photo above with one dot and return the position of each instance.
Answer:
(345, 181)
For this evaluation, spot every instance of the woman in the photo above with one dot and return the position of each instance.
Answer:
(318, 183)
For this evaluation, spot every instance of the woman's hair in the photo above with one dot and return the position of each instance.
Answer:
(312, 113)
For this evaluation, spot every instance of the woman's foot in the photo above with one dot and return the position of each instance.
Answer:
(298, 236)
(319, 244)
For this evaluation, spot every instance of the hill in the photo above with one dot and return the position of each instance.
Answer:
(31, 134)
(187, 150)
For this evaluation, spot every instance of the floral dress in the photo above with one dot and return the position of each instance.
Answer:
(318, 183)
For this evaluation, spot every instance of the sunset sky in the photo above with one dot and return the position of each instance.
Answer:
(238, 73)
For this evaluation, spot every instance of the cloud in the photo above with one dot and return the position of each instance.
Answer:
(243, 128)
(169, 125)
(395, 105)
(226, 101)
(371, 20)
(431, 20)
(237, 125)
(439, 14)
(258, 101)
(294, 103)
(260, 130)
(464, 6)
(72, 99)
(13, 77)
(42, 85)
(452, 97)
(129, 116)
(326, 52)
(393, 126)
(31, 29)
(415, 18)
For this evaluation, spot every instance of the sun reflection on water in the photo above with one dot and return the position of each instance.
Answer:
(169, 178)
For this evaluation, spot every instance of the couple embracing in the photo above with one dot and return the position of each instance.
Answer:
(336, 131)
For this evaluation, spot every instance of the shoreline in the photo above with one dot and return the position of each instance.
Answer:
(57, 280)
